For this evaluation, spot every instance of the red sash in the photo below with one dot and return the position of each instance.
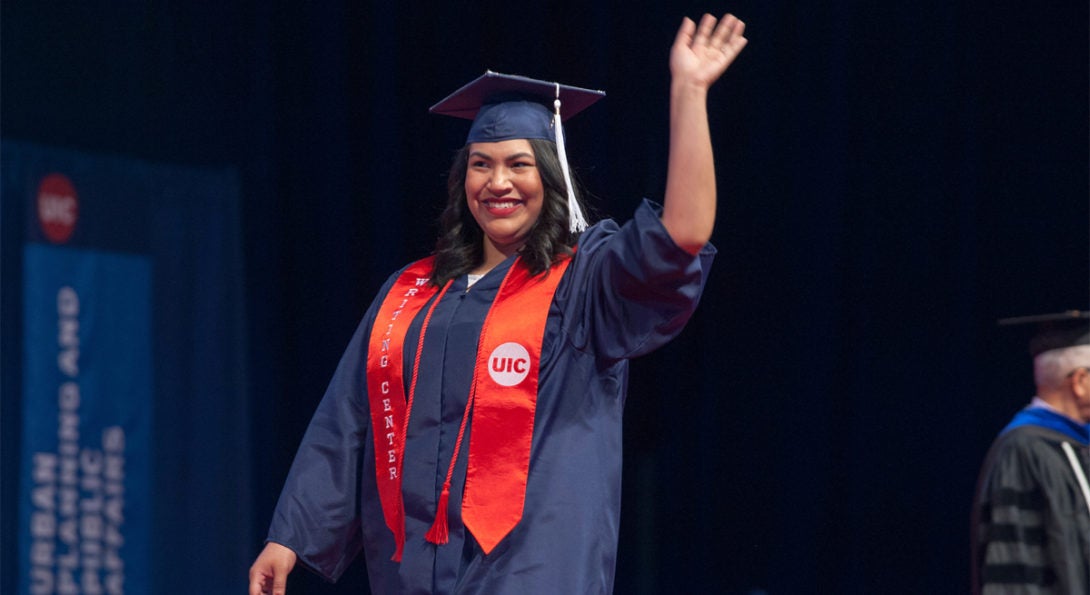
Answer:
(386, 387)
(502, 399)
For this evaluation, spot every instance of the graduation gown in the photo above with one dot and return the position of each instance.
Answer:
(1031, 521)
(628, 291)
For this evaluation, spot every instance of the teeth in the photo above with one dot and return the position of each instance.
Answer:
(502, 205)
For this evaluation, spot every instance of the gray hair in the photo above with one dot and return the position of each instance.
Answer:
(1052, 366)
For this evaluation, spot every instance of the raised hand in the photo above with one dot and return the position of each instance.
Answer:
(701, 54)
(697, 59)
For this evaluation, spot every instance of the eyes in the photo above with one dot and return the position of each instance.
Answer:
(517, 164)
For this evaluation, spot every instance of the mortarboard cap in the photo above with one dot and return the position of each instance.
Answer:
(507, 107)
(1054, 331)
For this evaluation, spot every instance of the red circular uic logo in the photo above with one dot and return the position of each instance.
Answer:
(509, 364)
(58, 208)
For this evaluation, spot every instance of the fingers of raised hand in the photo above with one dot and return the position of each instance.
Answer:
(704, 31)
(729, 35)
(725, 35)
(685, 33)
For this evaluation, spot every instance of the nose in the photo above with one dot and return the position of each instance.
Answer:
(500, 181)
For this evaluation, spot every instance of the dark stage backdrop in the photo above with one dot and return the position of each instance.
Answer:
(894, 177)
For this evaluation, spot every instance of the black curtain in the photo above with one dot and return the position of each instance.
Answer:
(893, 178)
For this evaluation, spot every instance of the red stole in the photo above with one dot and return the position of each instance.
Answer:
(502, 399)
(386, 386)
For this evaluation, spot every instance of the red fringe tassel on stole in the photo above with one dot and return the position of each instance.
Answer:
(439, 534)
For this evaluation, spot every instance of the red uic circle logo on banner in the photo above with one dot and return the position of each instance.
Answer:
(58, 208)
(509, 364)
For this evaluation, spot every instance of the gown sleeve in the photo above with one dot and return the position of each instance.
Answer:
(633, 289)
(317, 515)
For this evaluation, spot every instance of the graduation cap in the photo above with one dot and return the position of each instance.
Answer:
(1054, 331)
(506, 107)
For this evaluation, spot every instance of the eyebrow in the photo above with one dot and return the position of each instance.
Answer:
(519, 155)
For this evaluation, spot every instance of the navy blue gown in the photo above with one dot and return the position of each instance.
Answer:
(628, 291)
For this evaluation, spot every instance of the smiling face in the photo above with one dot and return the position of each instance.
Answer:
(504, 193)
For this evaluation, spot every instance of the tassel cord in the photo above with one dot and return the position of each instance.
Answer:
(577, 223)
(399, 538)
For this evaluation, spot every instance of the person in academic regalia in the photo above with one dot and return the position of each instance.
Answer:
(1031, 515)
(470, 439)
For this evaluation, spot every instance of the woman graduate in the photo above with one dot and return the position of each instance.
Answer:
(470, 440)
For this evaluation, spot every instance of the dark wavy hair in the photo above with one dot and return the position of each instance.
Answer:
(460, 247)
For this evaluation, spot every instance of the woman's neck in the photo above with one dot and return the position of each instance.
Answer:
(492, 257)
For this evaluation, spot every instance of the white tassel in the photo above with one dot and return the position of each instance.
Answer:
(576, 221)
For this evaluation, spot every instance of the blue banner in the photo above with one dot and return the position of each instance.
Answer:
(126, 410)
(87, 401)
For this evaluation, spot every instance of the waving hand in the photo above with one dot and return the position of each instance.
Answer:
(701, 54)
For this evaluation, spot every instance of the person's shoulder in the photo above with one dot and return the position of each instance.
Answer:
(645, 219)
(601, 228)
(1032, 435)
(1024, 449)
(1011, 461)
(419, 267)
(1023, 438)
